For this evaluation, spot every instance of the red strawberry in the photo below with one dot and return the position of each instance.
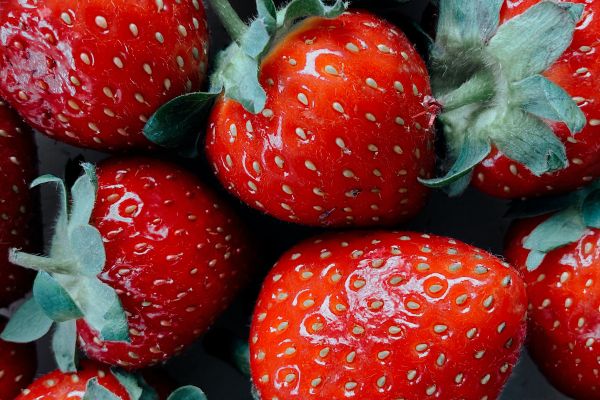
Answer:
(339, 142)
(58, 385)
(175, 256)
(515, 107)
(17, 367)
(17, 169)
(564, 302)
(577, 72)
(91, 72)
(387, 316)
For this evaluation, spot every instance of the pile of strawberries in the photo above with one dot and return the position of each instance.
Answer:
(320, 114)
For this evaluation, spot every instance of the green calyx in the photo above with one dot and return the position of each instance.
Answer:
(488, 78)
(67, 287)
(572, 215)
(138, 389)
(176, 125)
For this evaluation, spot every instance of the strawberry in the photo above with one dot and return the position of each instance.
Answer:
(318, 136)
(17, 367)
(17, 169)
(559, 256)
(517, 81)
(387, 315)
(91, 72)
(144, 269)
(95, 381)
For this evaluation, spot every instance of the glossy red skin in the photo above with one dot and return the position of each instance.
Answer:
(495, 175)
(176, 255)
(322, 195)
(302, 291)
(574, 370)
(18, 363)
(42, 54)
(61, 386)
(17, 170)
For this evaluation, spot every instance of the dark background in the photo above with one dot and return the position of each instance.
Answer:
(474, 218)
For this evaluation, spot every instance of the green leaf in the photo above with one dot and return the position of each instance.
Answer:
(64, 346)
(531, 42)
(187, 393)
(88, 248)
(237, 73)
(557, 231)
(539, 96)
(95, 391)
(472, 152)
(530, 141)
(53, 299)
(467, 21)
(591, 210)
(28, 324)
(256, 40)
(178, 123)
(83, 195)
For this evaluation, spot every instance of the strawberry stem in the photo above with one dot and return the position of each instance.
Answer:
(233, 24)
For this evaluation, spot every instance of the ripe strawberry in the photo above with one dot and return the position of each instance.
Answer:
(338, 142)
(17, 169)
(58, 385)
(564, 303)
(175, 256)
(515, 108)
(387, 316)
(17, 367)
(91, 72)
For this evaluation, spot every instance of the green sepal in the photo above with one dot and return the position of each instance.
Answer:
(467, 21)
(488, 79)
(28, 324)
(267, 11)
(237, 76)
(472, 152)
(178, 123)
(591, 210)
(95, 391)
(53, 299)
(534, 260)
(531, 42)
(539, 96)
(64, 346)
(544, 238)
(529, 141)
(88, 250)
(187, 393)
